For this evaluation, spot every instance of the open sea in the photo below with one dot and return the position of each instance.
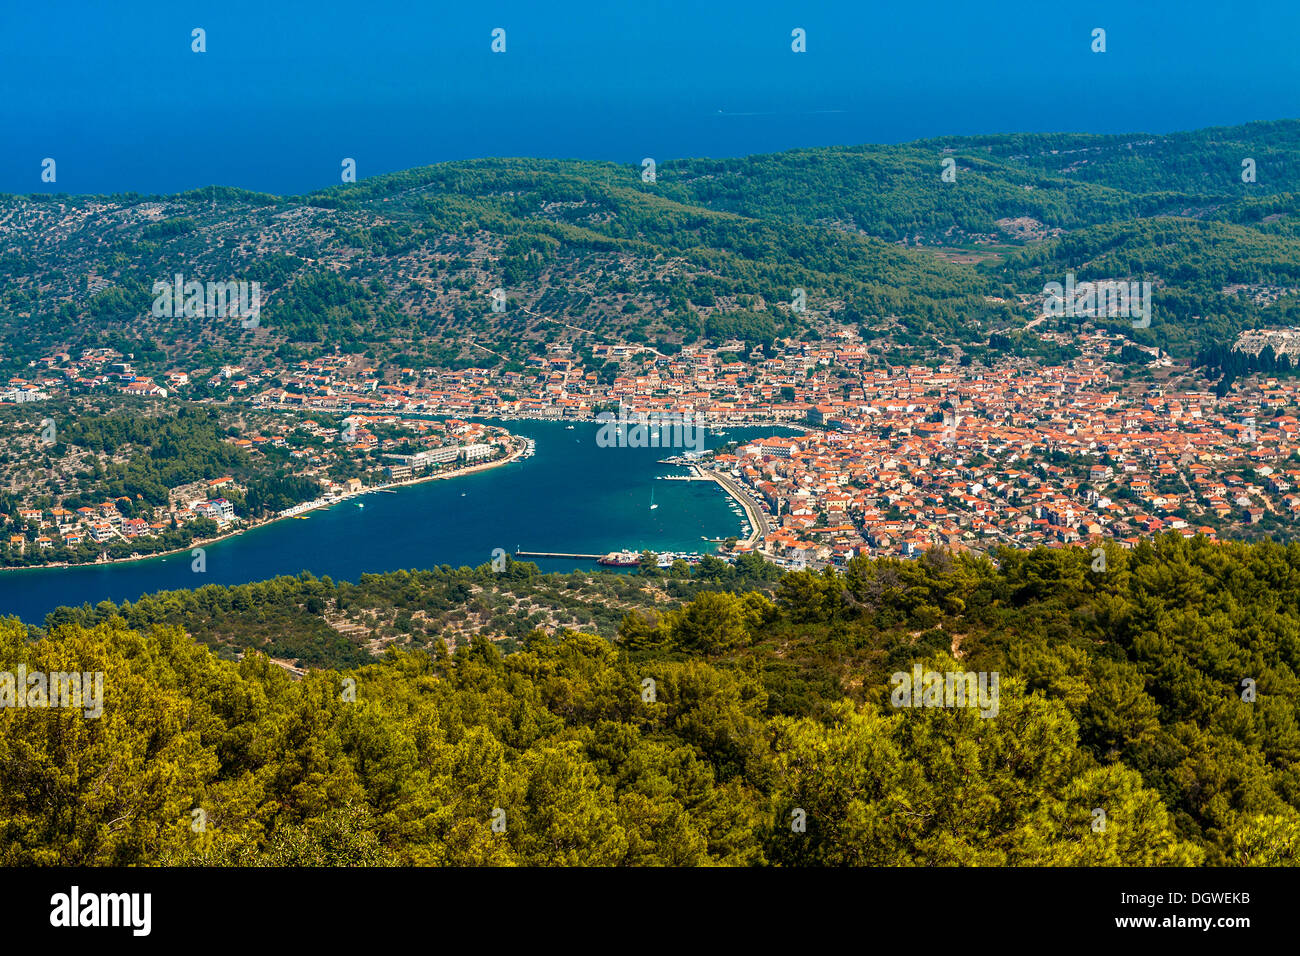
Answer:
(283, 92)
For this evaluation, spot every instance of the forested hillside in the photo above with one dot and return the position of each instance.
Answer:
(1147, 715)
(405, 263)
(319, 622)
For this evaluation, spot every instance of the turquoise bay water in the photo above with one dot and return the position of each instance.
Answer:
(571, 496)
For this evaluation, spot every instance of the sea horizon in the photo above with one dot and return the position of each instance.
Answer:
(307, 175)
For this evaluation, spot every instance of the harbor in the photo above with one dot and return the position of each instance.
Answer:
(569, 498)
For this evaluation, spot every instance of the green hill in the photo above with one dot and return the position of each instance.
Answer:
(1143, 715)
(403, 264)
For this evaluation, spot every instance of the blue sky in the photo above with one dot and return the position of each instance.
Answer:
(286, 90)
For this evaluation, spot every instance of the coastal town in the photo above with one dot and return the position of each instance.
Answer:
(329, 465)
(1114, 443)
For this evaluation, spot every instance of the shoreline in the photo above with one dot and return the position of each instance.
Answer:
(752, 512)
(700, 420)
(519, 445)
(516, 451)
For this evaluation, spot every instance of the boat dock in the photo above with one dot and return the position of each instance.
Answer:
(556, 554)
